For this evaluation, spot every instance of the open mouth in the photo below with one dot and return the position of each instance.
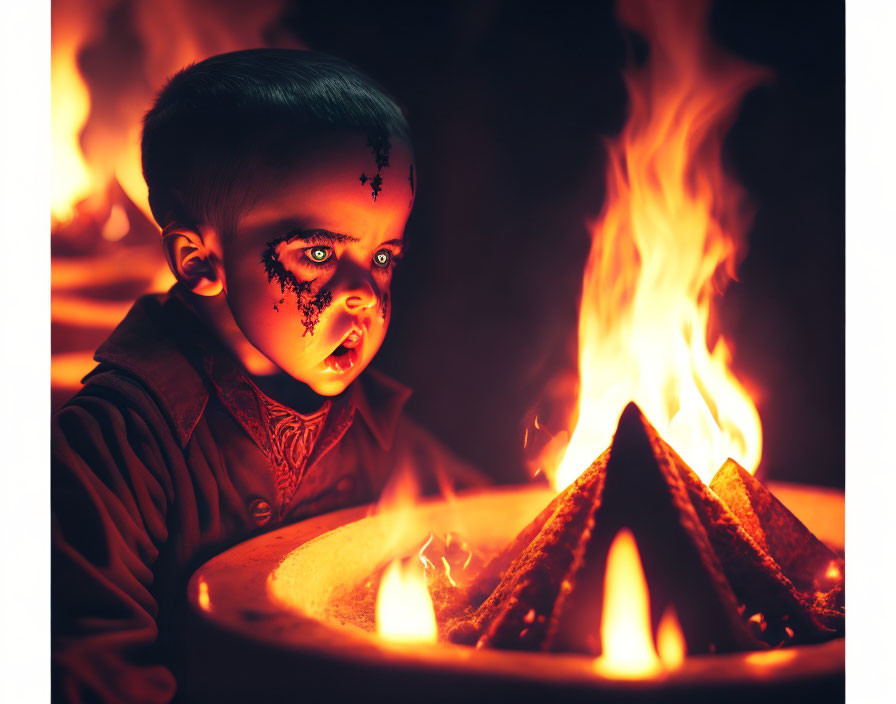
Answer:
(346, 355)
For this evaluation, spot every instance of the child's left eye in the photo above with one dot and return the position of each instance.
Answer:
(319, 254)
(383, 258)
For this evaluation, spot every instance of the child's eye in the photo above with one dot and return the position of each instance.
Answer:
(383, 258)
(319, 254)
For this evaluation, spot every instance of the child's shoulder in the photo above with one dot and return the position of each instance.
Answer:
(142, 369)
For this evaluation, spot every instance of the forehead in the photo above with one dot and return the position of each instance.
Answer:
(332, 184)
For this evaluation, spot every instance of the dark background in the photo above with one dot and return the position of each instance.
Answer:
(508, 102)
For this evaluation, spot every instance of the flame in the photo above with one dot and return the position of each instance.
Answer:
(627, 645)
(670, 643)
(72, 180)
(404, 609)
(205, 602)
(662, 249)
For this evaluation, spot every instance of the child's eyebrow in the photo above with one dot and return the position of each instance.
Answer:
(314, 236)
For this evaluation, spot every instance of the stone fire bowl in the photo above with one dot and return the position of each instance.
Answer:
(246, 644)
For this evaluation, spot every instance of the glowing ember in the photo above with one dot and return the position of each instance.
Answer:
(627, 645)
(664, 246)
(833, 571)
(404, 610)
(769, 658)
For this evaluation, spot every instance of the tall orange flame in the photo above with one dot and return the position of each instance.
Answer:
(70, 106)
(664, 246)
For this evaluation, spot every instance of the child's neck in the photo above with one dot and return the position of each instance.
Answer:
(284, 389)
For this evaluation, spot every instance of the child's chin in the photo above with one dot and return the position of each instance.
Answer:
(331, 384)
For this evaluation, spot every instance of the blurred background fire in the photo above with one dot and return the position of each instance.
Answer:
(509, 102)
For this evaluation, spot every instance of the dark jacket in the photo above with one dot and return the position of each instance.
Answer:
(153, 473)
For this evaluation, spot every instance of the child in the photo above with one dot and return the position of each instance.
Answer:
(241, 399)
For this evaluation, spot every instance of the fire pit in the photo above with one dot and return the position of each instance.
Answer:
(244, 619)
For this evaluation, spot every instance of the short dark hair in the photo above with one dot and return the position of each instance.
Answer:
(220, 126)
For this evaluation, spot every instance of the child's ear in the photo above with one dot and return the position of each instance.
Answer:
(192, 262)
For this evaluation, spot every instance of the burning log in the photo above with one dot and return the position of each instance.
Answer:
(813, 568)
(525, 579)
(545, 591)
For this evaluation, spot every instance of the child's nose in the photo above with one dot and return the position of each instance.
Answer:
(354, 285)
(361, 298)
(359, 292)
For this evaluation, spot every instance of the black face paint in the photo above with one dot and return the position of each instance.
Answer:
(376, 185)
(384, 306)
(411, 179)
(309, 305)
(380, 146)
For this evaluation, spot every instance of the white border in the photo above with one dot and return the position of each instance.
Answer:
(870, 350)
(25, 351)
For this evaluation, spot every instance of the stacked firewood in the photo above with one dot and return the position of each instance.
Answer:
(740, 570)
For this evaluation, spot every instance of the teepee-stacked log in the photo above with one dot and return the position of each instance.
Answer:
(523, 582)
(815, 571)
(545, 591)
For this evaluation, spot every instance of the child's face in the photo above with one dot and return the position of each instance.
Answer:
(308, 272)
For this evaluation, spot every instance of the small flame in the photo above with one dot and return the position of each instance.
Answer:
(670, 643)
(404, 609)
(627, 645)
(667, 241)
(205, 602)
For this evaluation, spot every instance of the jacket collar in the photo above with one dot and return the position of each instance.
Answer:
(155, 343)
